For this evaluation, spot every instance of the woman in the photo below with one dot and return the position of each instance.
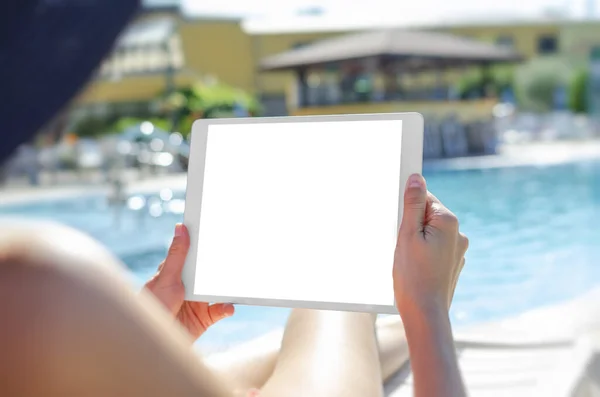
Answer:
(71, 326)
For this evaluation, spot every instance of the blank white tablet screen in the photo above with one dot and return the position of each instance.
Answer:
(300, 211)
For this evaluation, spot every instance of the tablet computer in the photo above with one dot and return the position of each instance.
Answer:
(298, 212)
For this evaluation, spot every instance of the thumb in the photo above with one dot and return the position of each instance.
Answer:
(415, 203)
(173, 265)
(219, 311)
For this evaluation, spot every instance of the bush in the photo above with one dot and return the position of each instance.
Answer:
(536, 82)
(472, 83)
(503, 78)
(578, 99)
(201, 100)
(91, 127)
(181, 107)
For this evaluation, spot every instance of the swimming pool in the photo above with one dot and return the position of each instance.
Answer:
(534, 235)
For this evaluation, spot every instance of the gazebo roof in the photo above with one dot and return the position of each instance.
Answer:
(410, 45)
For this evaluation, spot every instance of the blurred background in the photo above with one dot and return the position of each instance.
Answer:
(511, 97)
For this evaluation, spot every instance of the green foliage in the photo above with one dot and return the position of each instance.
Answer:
(503, 77)
(537, 80)
(202, 100)
(578, 100)
(184, 126)
(534, 83)
(469, 83)
(183, 107)
(125, 122)
(91, 127)
(220, 95)
(113, 119)
(499, 78)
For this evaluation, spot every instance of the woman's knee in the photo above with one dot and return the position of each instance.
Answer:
(71, 326)
(45, 267)
(52, 245)
(52, 278)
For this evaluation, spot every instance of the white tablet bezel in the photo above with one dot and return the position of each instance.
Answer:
(411, 162)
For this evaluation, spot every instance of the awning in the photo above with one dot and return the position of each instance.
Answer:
(401, 44)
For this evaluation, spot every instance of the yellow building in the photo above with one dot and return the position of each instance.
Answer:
(164, 48)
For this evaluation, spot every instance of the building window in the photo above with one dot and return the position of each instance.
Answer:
(547, 44)
(505, 41)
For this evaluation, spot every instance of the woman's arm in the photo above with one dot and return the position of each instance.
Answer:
(432, 354)
(429, 258)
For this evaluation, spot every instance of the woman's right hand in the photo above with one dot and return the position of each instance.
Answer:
(429, 254)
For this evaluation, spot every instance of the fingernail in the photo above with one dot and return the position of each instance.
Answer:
(415, 181)
(178, 230)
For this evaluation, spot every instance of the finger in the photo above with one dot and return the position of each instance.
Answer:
(463, 244)
(455, 279)
(160, 267)
(173, 265)
(154, 277)
(430, 208)
(415, 204)
(431, 197)
(219, 311)
(461, 266)
(442, 218)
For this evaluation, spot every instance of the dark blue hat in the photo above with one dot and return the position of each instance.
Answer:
(48, 50)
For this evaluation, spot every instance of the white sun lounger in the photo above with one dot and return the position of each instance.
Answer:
(552, 351)
(508, 370)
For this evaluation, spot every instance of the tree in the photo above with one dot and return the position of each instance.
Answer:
(174, 111)
(537, 81)
(202, 100)
(578, 100)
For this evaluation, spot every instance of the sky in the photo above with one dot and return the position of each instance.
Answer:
(283, 14)
(381, 7)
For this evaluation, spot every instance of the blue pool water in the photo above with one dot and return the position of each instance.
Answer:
(534, 236)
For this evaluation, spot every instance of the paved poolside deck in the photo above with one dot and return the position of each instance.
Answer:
(70, 184)
(12, 194)
(529, 154)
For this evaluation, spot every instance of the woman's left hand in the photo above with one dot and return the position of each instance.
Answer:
(166, 285)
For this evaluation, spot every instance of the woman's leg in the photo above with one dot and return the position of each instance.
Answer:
(252, 364)
(393, 349)
(68, 330)
(329, 354)
(249, 365)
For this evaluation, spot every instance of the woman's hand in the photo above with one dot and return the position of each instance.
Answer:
(430, 252)
(429, 258)
(168, 288)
